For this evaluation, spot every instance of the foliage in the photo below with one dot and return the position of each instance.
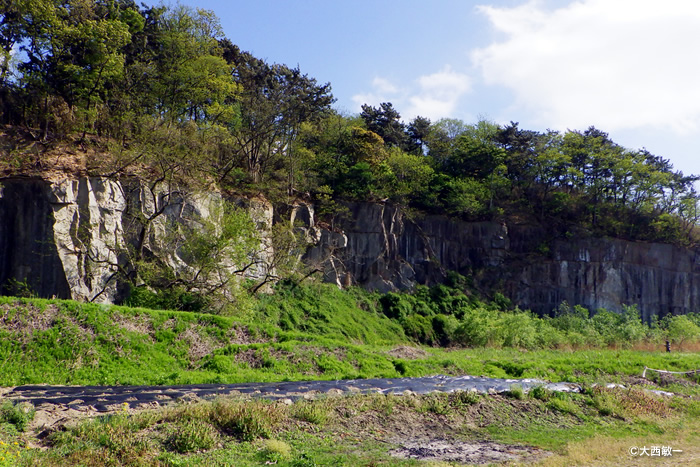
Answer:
(178, 101)
(17, 414)
(191, 436)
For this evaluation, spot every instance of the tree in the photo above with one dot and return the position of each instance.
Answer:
(386, 122)
(274, 102)
(441, 138)
(418, 131)
(475, 153)
(73, 49)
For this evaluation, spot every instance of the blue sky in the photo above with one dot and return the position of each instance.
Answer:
(626, 66)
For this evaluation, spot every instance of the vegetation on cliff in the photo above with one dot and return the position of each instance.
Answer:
(172, 98)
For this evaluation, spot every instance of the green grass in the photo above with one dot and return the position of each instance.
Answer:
(65, 342)
(309, 333)
(358, 430)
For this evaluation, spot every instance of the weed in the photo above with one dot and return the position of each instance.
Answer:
(247, 421)
(19, 415)
(316, 413)
(274, 451)
(383, 404)
(437, 403)
(540, 393)
(303, 461)
(516, 392)
(564, 405)
(464, 398)
(191, 436)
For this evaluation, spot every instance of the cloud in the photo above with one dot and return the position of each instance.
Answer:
(623, 64)
(433, 96)
(438, 94)
(383, 90)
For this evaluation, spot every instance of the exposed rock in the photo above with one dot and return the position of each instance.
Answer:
(62, 238)
(66, 238)
(386, 251)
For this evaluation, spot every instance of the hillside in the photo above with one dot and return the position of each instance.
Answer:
(167, 159)
(321, 333)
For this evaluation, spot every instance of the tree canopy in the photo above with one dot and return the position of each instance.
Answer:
(176, 98)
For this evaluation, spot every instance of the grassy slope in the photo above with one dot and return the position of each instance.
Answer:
(316, 333)
(328, 336)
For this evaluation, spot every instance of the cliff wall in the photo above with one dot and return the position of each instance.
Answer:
(65, 238)
(380, 248)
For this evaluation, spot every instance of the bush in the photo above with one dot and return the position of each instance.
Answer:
(167, 299)
(274, 451)
(477, 328)
(680, 328)
(19, 415)
(191, 436)
(419, 328)
(444, 329)
(518, 330)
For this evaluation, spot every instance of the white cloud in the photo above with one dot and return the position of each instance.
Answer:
(433, 96)
(616, 64)
(383, 90)
(438, 94)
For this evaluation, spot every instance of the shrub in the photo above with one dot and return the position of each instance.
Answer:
(274, 451)
(518, 330)
(444, 328)
(680, 329)
(191, 436)
(419, 328)
(477, 328)
(19, 415)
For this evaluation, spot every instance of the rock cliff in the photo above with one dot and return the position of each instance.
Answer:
(67, 238)
(63, 238)
(380, 248)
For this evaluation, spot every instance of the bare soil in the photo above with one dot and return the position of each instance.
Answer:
(479, 452)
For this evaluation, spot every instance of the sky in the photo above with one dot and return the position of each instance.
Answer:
(626, 67)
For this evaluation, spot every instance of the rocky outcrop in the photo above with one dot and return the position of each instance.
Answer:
(608, 273)
(380, 248)
(67, 238)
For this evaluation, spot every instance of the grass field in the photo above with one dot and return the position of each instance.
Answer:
(328, 336)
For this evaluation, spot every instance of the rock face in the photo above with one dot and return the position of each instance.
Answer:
(67, 238)
(379, 248)
(608, 273)
(62, 239)
(28, 250)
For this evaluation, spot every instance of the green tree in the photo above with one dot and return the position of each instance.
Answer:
(386, 122)
(274, 102)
